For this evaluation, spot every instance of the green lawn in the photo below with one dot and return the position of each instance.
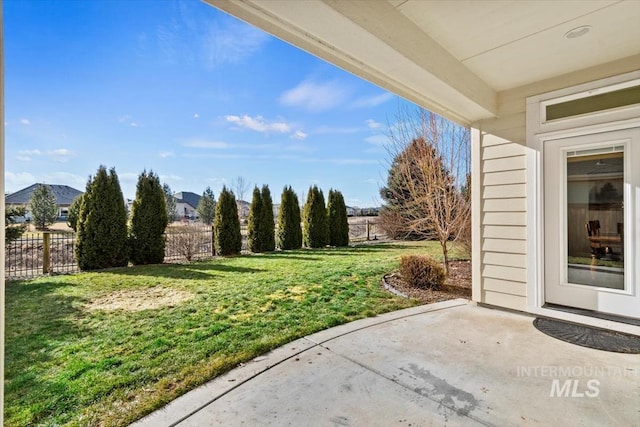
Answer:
(68, 362)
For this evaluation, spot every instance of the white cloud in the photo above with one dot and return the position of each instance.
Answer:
(196, 116)
(60, 152)
(165, 154)
(329, 130)
(172, 180)
(65, 178)
(127, 119)
(315, 96)
(378, 140)
(258, 124)
(128, 183)
(128, 177)
(192, 38)
(231, 43)
(199, 143)
(372, 124)
(60, 155)
(299, 135)
(25, 122)
(27, 155)
(372, 101)
(17, 181)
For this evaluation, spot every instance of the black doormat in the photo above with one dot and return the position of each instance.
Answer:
(587, 336)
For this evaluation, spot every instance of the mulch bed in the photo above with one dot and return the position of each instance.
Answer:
(457, 285)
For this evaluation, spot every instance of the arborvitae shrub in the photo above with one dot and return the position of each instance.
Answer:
(289, 229)
(73, 214)
(267, 226)
(226, 225)
(254, 224)
(421, 271)
(102, 240)
(148, 221)
(316, 227)
(338, 221)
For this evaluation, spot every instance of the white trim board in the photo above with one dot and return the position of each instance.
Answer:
(537, 134)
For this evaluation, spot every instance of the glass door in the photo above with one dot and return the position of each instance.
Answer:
(591, 193)
(595, 217)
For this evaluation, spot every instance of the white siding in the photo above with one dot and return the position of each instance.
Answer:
(503, 219)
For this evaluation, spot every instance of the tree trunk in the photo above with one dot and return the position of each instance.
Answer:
(445, 256)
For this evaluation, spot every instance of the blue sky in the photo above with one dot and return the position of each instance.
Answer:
(187, 91)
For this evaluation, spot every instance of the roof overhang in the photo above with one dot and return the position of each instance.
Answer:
(451, 57)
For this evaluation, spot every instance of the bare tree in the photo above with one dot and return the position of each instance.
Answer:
(240, 187)
(428, 187)
(188, 240)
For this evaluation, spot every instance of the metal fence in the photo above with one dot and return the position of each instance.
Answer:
(188, 242)
(37, 254)
(364, 230)
(53, 252)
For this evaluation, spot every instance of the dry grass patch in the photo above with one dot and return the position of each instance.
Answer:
(140, 299)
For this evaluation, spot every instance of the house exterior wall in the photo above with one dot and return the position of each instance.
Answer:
(501, 172)
(502, 222)
(184, 210)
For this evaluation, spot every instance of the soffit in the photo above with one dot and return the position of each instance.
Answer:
(513, 43)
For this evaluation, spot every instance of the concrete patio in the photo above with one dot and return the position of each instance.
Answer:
(450, 363)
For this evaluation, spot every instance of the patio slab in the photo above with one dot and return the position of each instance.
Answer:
(452, 363)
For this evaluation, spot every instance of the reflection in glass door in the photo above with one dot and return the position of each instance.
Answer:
(595, 217)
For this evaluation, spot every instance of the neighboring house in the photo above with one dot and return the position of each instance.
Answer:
(64, 196)
(186, 204)
(368, 212)
(351, 211)
(243, 209)
(551, 93)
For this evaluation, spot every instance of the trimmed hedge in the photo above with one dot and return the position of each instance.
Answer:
(338, 221)
(102, 240)
(289, 229)
(149, 220)
(254, 222)
(226, 225)
(267, 226)
(315, 232)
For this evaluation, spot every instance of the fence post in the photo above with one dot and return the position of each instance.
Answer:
(368, 229)
(213, 241)
(46, 252)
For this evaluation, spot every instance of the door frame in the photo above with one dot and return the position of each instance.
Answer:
(539, 132)
(626, 300)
